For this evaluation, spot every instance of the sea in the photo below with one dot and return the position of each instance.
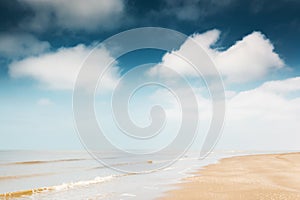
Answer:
(26, 174)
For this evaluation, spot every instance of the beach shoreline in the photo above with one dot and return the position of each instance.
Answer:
(263, 176)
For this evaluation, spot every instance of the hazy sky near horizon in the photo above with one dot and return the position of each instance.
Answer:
(254, 44)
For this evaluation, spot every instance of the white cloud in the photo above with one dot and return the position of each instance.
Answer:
(59, 70)
(282, 86)
(176, 63)
(248, 59)
(20, 45)
(85, 15)
(269, 101)
(263, 118)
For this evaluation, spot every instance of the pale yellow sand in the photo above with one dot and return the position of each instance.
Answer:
(246, 177)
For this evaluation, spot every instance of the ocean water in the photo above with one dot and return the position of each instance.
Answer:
(76, 175)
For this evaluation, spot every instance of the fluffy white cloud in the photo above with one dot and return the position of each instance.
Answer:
(264, 118)
(248, 59)
(20, 45)
(282, 86)
(59, 70)
(175, 62)
(86, 15)
(269, 101)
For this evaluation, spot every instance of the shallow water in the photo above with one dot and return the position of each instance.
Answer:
(76, 175)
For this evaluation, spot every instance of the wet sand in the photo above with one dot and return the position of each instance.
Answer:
(275, 176)
(24, 193)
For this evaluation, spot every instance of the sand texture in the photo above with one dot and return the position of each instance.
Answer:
(245, 177)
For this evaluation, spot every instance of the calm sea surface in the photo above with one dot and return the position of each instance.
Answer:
(76, 175)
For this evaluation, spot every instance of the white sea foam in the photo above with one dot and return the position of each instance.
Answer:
(71, 185)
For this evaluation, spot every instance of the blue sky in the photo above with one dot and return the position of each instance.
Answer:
(255, 45)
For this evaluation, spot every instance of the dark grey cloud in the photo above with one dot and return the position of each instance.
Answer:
(194, 9)
(14, 46)
(68, 23)
(88, 15)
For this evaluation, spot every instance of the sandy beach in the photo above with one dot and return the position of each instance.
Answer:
(274, 176)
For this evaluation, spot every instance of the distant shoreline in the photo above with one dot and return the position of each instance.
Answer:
(263, 176)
